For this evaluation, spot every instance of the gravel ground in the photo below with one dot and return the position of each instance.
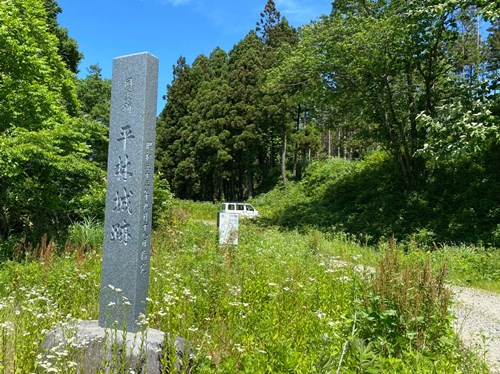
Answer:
(478, 322)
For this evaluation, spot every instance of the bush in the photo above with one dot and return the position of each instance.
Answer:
(406, 307)
(88, 234)
(455, 201)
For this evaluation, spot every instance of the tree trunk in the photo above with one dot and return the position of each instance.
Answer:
(283, 158)
(329, 143)
(249, 183)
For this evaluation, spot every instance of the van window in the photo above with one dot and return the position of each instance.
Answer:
(240, 207)
(230, 207)
(250, 208)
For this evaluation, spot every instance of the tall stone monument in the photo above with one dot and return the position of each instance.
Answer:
(116, 341)
(129, 193)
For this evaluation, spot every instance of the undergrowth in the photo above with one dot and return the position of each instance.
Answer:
(451, 202)
(302, 302)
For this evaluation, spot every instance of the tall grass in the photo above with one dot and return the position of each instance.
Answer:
(471, 266)
(87, 234)
(279, 302)
(194, 210)
(406, 305)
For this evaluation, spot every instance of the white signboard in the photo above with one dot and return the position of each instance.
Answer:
(228, 228)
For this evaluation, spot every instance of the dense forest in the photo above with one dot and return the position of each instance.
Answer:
(417, 81)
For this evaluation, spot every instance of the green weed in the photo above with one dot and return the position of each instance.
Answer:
(87, 234)
(279, 302)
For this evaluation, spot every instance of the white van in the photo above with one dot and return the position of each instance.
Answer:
(243, 209)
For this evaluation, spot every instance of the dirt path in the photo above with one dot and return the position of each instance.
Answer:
(478, 322)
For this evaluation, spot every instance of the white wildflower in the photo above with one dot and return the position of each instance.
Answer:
(344, 278)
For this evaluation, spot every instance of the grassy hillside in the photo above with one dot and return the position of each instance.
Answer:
(454, 202)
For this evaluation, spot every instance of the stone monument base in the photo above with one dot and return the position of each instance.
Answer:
(92, 349)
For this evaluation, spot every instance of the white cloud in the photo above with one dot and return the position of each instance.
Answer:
(290, 6)
(174, 2)
(302, 11)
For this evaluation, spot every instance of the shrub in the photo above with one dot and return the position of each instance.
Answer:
(405, 306)
(88, 234)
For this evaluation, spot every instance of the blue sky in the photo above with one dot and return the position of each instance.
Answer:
(168, 28)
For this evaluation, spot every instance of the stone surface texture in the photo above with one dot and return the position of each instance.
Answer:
(129, 193)
(96, 349)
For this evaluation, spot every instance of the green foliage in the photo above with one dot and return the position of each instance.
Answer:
(456, 202)
(220, 132)
(406, 306)
(67, 47)
(94, 94)
(87, 234)
(403, 77)
(35, 85)
(45, 154)
(458, 130)
(282, 302)
(370, 68)
(91, 202)
(471, 266)
(414, 79)
(162, 201)
(203, 211)
(43, 175)
(34, 296)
